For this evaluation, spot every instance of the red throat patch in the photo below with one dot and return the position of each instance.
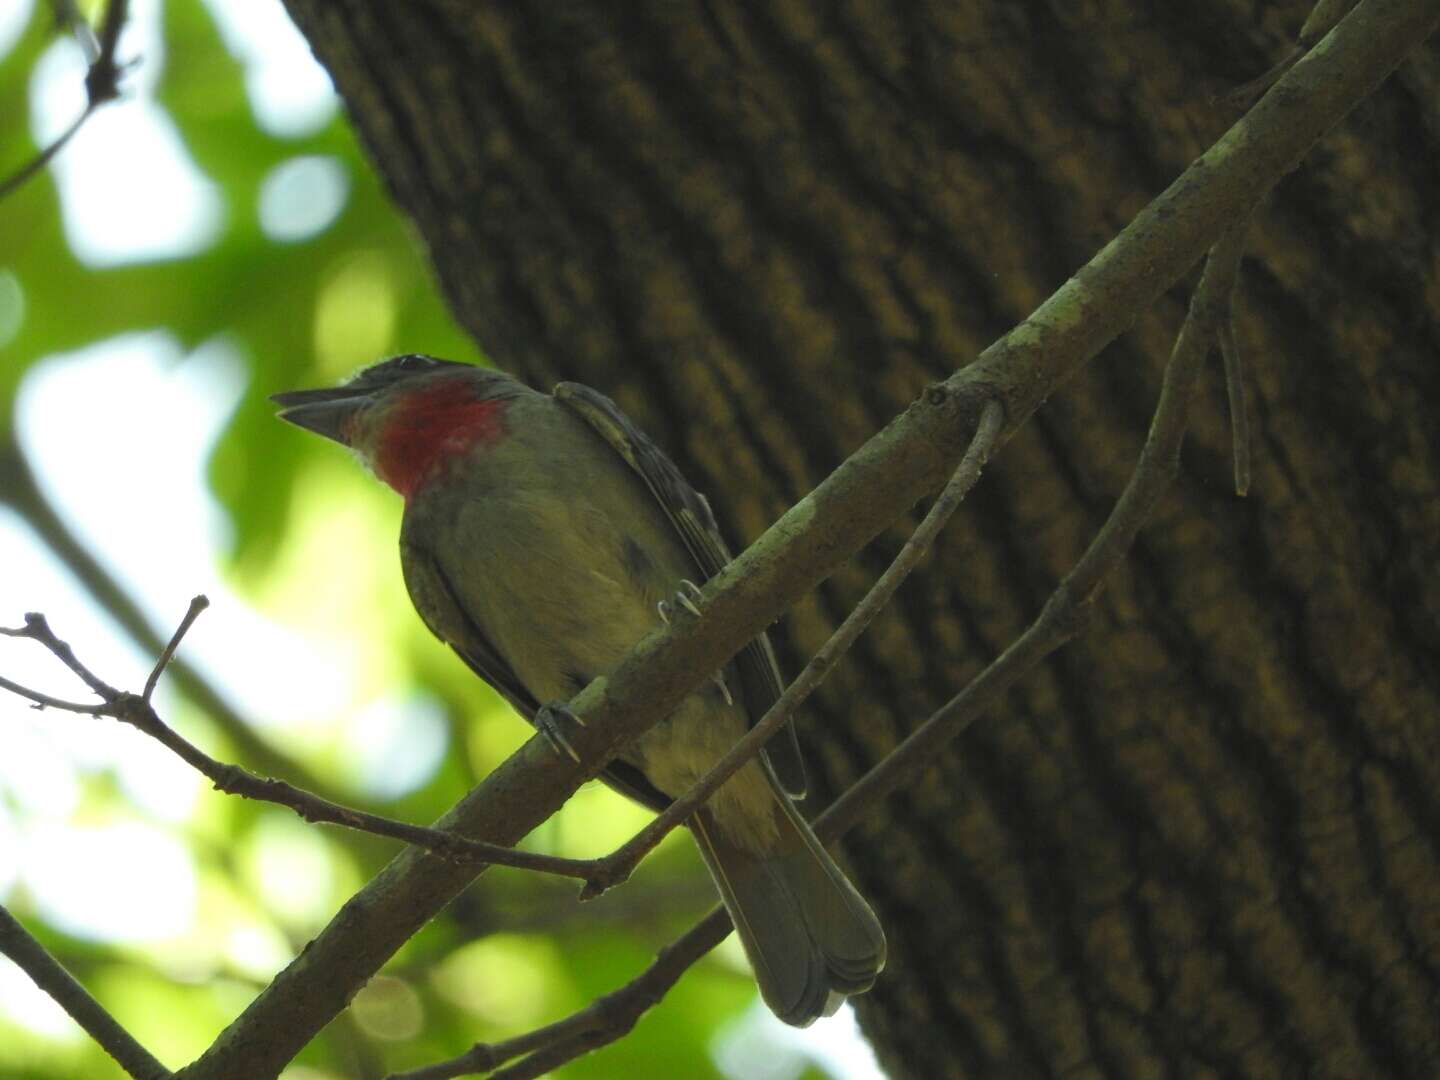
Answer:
(428, 428)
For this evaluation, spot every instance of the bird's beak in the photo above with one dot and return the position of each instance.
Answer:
(326, 412)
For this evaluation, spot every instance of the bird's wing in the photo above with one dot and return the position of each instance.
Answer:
(690, 515)
(440, 609)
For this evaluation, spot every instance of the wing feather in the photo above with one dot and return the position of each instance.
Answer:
(689, 514)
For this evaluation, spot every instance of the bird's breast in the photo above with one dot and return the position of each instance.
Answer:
(558, 551)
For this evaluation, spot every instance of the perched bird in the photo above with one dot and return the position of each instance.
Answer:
(541, 535)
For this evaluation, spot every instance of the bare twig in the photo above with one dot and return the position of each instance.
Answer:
(1323, 17)
(1239, 410)
(233, 780)
(618, 865)
(43, 701)
(1248, 92)
(603, 1021)
(102, 85)
(197, 605)
(68, 18)
(45, 156)
(21, 492)
(37, 629)
(136, 710)
(1069, 606)
(48, 974)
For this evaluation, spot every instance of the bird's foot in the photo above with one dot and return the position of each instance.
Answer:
(550, 721)
(687, 597)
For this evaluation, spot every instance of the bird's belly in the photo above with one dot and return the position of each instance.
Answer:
(558, 600)
(565, 600)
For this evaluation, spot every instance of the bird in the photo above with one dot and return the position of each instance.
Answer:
(542, 536)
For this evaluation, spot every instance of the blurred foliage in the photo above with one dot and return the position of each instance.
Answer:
(300, 314)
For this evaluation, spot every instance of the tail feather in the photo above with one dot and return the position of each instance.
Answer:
(810, 937)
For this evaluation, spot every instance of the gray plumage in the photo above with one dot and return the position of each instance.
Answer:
(540, 555)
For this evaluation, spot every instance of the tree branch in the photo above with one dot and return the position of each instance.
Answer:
(603, 1021)
(47, 973)
(136, 710)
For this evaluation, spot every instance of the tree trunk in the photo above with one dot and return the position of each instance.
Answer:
(1202, 840)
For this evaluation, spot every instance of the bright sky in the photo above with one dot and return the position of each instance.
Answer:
(131, 193)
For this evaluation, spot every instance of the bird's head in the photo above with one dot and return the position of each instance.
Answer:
(406, 418)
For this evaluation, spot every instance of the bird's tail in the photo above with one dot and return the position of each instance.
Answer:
(810, 937)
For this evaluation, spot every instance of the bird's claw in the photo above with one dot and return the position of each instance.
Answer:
(685, 597)
(547, 722)
(687, 590)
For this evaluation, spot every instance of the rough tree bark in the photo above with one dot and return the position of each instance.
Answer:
(1205, 839)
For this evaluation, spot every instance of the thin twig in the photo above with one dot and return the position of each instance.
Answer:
(1235, 387)
(137, 711)
(614, 868)
(67, 17)
(45, 156)
(233, 780)
(37, 629)
(1323, 17)
(102, 85)
(1250, 91)
(602, 1021)
(44, 701)
(23, 494)
(1070, 605)
(197, 605)
(48, 974)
